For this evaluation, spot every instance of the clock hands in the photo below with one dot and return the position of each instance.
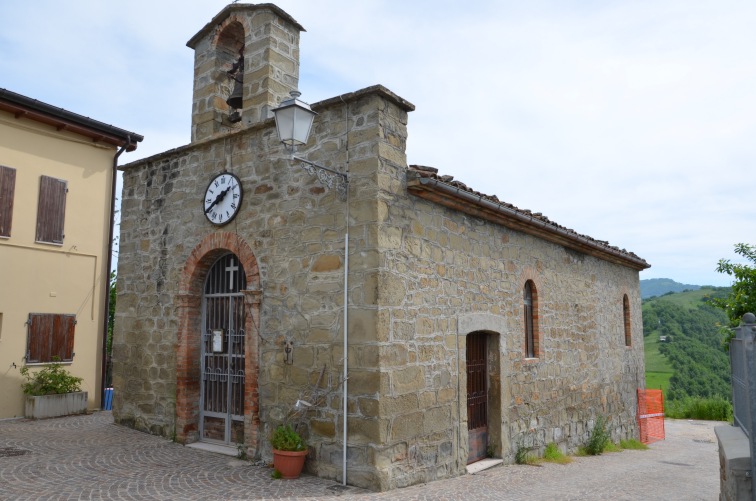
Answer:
(220, 206)
(218, 199)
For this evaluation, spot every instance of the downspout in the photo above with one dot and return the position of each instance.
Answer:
(346, 299)
(106, 281)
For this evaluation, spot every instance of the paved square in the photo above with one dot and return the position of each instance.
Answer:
(88, 457)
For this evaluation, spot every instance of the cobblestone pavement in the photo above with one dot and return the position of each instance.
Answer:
(88, 457)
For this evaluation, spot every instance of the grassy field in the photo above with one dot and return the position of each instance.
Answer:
(658, 370)
(687, 299)
(658, 381)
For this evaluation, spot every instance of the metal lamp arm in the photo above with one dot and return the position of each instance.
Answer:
(327, 176)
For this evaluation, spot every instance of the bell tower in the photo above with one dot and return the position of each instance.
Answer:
(246, 60)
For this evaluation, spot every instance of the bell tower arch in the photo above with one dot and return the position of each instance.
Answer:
(246, 60)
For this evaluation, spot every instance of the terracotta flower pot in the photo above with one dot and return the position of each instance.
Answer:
(289, 463)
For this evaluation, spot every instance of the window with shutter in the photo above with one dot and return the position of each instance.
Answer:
(7, 186)
(50, 338)
(51, 210)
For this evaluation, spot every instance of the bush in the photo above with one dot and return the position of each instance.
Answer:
(284, 438)
(599, 437)
(52, 380)
(711, 409)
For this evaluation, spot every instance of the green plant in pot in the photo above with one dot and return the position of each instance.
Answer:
(52, 380)
(289, 451)
(52, 391)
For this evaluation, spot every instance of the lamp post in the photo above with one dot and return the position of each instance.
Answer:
(294, 120)
(293, 123)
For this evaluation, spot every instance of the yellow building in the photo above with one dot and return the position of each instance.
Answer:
(57, 186)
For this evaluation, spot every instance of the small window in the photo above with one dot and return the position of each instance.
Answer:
(51, 210)
(7, 186)
(50, 338)
(530, 301)
(626, 318)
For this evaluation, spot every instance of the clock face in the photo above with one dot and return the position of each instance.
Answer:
(223, 198)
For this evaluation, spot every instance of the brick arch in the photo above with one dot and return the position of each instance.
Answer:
(208, 250)
(189, 301)
(626, 321)
(531, 275)
(230, 21)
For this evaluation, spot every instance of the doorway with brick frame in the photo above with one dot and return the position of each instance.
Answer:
(222, 360)
(193, 322)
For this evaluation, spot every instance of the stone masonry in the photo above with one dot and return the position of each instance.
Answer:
(430, 261)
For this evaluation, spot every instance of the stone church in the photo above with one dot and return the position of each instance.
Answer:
(383, 304)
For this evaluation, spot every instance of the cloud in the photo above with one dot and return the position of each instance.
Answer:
(628, 121)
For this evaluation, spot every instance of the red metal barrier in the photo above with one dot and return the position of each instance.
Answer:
(651, 415)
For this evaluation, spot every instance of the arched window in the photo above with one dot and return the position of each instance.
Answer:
(626, 317)
(530, 302)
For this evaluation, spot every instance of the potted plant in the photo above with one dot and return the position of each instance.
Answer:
(52, 392)
(289, 451)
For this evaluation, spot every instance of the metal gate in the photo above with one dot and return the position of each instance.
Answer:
(222, 359)
(477, 396)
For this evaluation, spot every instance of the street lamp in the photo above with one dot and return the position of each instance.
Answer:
(294, 120)
(293, 123)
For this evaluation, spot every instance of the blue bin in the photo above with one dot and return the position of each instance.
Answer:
(108, 399)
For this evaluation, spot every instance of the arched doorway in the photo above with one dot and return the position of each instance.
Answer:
(222, 357)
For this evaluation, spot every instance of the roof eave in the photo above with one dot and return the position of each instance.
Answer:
(25, 107)
(228, 9)
(437, 191)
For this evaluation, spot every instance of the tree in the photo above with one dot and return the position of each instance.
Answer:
(111, 323)
(742, 298)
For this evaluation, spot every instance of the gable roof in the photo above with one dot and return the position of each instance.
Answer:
(25, 107)
(234, 7)
(425, 182)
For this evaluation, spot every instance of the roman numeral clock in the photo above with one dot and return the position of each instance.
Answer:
(223, 198)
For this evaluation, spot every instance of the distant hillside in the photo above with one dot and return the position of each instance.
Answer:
(660, 286)
(683, 346)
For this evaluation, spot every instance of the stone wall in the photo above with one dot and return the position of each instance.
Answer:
(735, 481)
(445, 274)
(295, 229)
(421, 277)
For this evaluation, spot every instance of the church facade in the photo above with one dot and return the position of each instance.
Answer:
(473, 328)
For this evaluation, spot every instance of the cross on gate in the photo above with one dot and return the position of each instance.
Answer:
(231, 269)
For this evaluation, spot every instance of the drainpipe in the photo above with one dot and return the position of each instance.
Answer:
(346, 299)
(346, 355)
(106, 281)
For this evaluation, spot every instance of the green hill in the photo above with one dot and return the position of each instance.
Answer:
(683, 347)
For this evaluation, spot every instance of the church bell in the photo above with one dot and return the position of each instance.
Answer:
(235, 99)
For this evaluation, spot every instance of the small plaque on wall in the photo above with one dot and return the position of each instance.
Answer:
(218, 341)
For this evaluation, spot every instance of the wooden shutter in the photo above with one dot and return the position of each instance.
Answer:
(51, 210)
(50, 335)
(7, 186)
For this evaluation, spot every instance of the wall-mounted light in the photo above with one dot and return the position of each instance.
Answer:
(293, 120)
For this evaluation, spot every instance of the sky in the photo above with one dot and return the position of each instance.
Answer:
(632, 122)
